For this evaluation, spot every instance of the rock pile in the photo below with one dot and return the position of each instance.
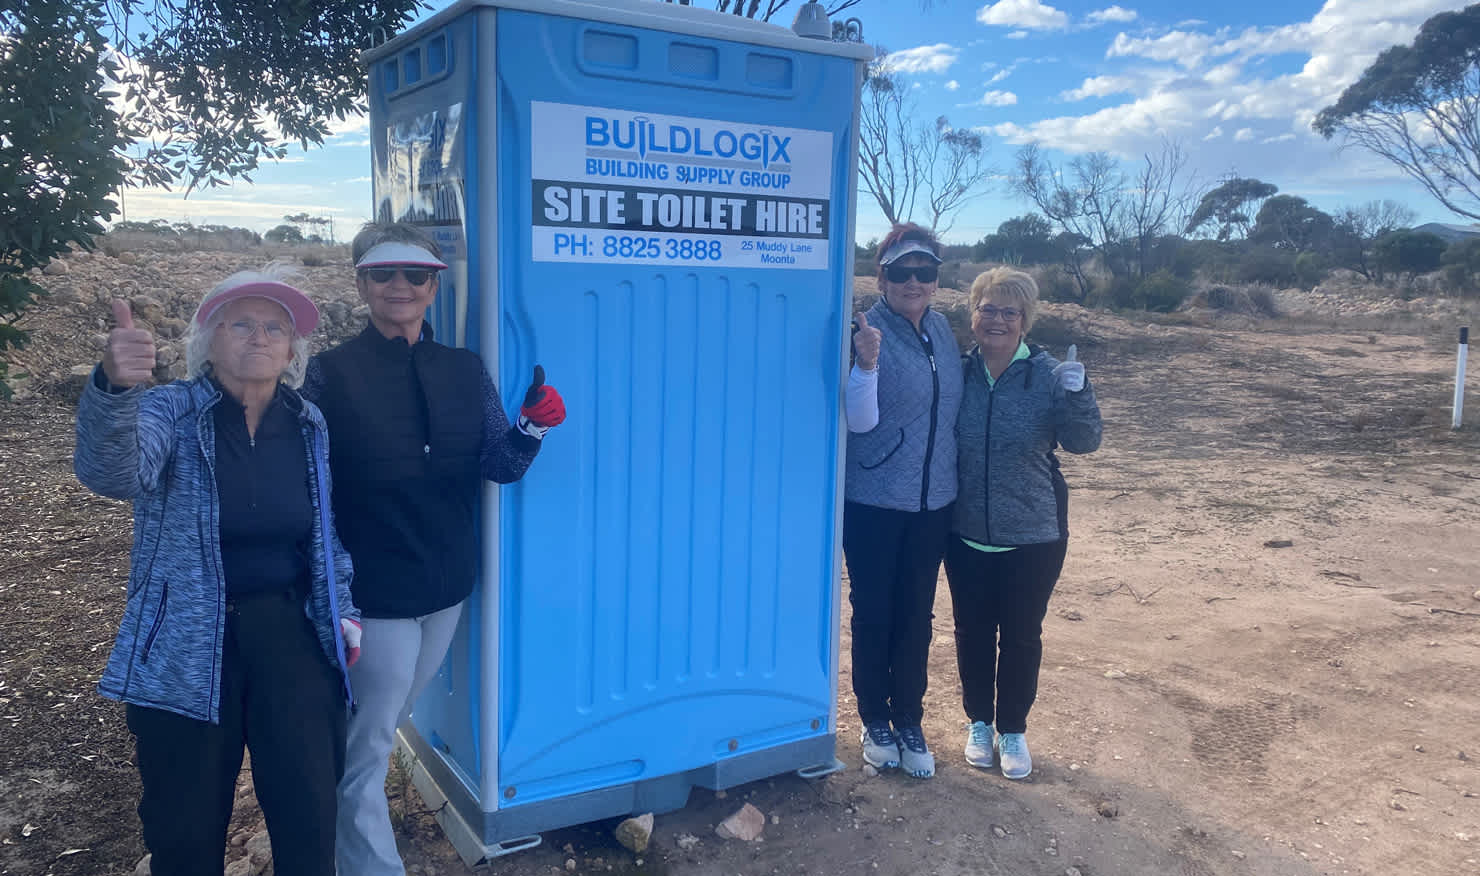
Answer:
(69, 327)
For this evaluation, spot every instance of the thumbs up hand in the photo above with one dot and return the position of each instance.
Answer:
(866, 342)
(1070, 372)
(543, 407)
(128, 358)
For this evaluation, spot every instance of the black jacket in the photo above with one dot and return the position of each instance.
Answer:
(413, 430)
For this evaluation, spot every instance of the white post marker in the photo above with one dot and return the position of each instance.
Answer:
(1459, 376)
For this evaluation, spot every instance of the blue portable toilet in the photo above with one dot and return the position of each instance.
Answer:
(655, 203)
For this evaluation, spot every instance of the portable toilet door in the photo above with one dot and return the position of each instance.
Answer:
(654, 202)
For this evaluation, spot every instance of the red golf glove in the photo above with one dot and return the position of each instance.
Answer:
(543, 407)
(351, 631)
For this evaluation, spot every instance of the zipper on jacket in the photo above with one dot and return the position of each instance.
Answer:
(987, 454)
(164, 599)
(934, 411)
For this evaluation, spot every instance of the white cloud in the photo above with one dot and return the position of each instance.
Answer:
(1027, 14)
(1243, 135)
(1214, 134)
(1100, 86)
(1018, 35)
(1282, 138)
(952, 85)
(1111, 13)
(998, 98)
(1001, 75)
(923, 59)
(1184, 47)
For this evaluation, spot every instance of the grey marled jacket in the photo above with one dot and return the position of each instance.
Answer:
(908, 461)
(1011, 490)
(157, 447)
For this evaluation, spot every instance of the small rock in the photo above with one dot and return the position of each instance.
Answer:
(869, 770)
(259, 848)
(1279, 543)
(1398, 806)
(999, 831)
(746, 824)
(55, 268)
(775, 819)
(1476, 594)
(142, 869)
(1107, 809)
(570, 865)
(128, 258)
(1418, 748)
(634, 833)
(686, 841)
(1114, 673)
(1071, 871)
(242, 867)
(1238, 854)
(80, 370)
(720, 795)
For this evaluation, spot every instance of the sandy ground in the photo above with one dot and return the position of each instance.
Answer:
(1210, 703)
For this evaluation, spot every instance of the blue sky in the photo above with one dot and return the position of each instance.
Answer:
(1236, 85)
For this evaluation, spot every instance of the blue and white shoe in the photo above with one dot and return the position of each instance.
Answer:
(914, 754)
(1012, 749)
(880, 748)
(979, 745)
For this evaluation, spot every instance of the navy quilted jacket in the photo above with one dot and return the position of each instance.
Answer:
(157, 447)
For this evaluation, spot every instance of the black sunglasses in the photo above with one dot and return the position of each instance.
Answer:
(414, 276)
(901, 273)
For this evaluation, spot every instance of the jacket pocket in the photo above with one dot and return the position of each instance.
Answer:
(893, 450)
(164, 600)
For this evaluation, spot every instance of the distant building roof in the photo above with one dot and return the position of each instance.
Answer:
(1450, 231)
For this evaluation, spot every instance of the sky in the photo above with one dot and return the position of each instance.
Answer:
(1236, 85)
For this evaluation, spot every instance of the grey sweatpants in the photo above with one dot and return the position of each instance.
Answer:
(398, 656)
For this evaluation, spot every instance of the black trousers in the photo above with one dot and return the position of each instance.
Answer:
(280, 698)
(999, 600)
(893, 560)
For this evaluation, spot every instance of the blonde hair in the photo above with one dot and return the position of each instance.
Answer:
(1008, 283)
(198, 336)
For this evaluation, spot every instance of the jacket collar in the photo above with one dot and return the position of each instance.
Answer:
(206, 393)
(378, 341)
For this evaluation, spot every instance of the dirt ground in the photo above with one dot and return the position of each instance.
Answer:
(1211, 702)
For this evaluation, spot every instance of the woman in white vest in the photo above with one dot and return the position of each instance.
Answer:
(903, 393)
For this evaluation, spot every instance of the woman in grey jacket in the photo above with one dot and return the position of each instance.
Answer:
(903, 392)
(1011, 518)
(238, 629)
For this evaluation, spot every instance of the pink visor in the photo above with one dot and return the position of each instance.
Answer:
(304, 314)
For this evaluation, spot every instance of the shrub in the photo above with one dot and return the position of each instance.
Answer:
(1265, 264)
(1055, 283)
(314, 260)
(1409, 252)
(1162, 292)
(1462, 266)
(1310, 269)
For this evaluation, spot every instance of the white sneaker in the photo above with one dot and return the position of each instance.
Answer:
(979, 745)
(914, 754)
(880, 748)
(1012, 748)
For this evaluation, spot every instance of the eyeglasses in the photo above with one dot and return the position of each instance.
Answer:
(245, 328)
(414, 276)
(1008, 314)
(902, 274)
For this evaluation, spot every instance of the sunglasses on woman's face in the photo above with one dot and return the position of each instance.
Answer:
(414, 276)
(902, 274)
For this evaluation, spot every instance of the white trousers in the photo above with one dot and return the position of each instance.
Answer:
(398, 656)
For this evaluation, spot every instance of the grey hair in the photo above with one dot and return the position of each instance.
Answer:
(375, 233)
(1006, 282)
(198, 336)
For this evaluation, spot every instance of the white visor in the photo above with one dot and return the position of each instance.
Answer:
(395, 253)
(904, 248)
